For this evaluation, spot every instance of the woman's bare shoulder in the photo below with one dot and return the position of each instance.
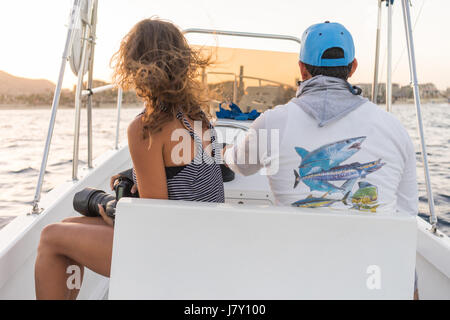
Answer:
(136, 133)
(136, 128)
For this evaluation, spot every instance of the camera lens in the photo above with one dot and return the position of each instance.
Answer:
(86, 201)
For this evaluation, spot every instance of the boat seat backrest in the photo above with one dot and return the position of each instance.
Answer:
(185, 250)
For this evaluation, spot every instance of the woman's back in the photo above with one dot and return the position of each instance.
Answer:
(191, 170)
(201, 179)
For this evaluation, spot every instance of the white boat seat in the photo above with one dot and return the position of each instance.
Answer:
(185, 250)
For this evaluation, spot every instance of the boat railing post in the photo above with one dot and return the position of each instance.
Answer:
(389, 58)
(235, 89)
(92, 40)
(377, 56)
(415, 84)
(93, 91)
(204, 79)
(411, 80)
(74, 17)
(119, 107)
(78, 96)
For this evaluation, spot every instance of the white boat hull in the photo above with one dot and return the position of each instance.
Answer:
(19, 239)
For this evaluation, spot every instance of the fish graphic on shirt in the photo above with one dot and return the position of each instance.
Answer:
(312, 202)
(345, 172)
(326, 158)
(365, 199)
(324, 165)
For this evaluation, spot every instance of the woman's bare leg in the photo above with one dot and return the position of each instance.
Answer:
(61, 244)
(86, 220)
(73, 293)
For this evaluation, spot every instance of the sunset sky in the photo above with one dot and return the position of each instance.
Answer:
(33, 32)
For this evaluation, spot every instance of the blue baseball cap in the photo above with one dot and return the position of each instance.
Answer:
(322, 36)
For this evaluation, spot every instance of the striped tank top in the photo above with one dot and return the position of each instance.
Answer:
(200, 180)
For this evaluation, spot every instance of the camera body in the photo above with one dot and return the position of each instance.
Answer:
(86, 201)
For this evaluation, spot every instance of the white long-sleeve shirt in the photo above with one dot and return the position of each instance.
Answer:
(364, 161)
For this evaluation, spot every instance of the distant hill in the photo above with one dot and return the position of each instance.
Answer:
(14, 86)
(16, 91)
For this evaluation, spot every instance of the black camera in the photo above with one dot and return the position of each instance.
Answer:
(86, 201)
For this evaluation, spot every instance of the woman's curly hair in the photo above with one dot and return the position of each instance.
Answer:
(156, 61)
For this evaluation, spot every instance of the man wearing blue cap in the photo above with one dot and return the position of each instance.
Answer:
(329, 146)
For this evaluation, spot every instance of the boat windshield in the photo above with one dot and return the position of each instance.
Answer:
(252, 79)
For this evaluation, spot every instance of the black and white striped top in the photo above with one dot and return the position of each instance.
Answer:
(201, 180)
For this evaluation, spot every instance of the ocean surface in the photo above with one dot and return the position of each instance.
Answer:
(23, 134)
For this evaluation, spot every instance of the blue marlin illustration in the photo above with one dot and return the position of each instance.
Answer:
(312, 202)
(325, 158)
(345, 172)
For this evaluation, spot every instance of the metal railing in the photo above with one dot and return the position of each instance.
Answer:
(415, 85)
(88, 48)
(242, 34)
(266, 80)
(389, 4)
(74, 17)
(92, 39)
(231, 124)
(119, 109)
(93, 91)
(377, 55)
(87, 44)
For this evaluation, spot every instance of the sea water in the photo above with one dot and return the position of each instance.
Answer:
(23, 134)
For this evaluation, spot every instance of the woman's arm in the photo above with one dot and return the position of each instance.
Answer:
(148, 162)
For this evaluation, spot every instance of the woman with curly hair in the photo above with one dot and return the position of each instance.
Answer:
(156, 61)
